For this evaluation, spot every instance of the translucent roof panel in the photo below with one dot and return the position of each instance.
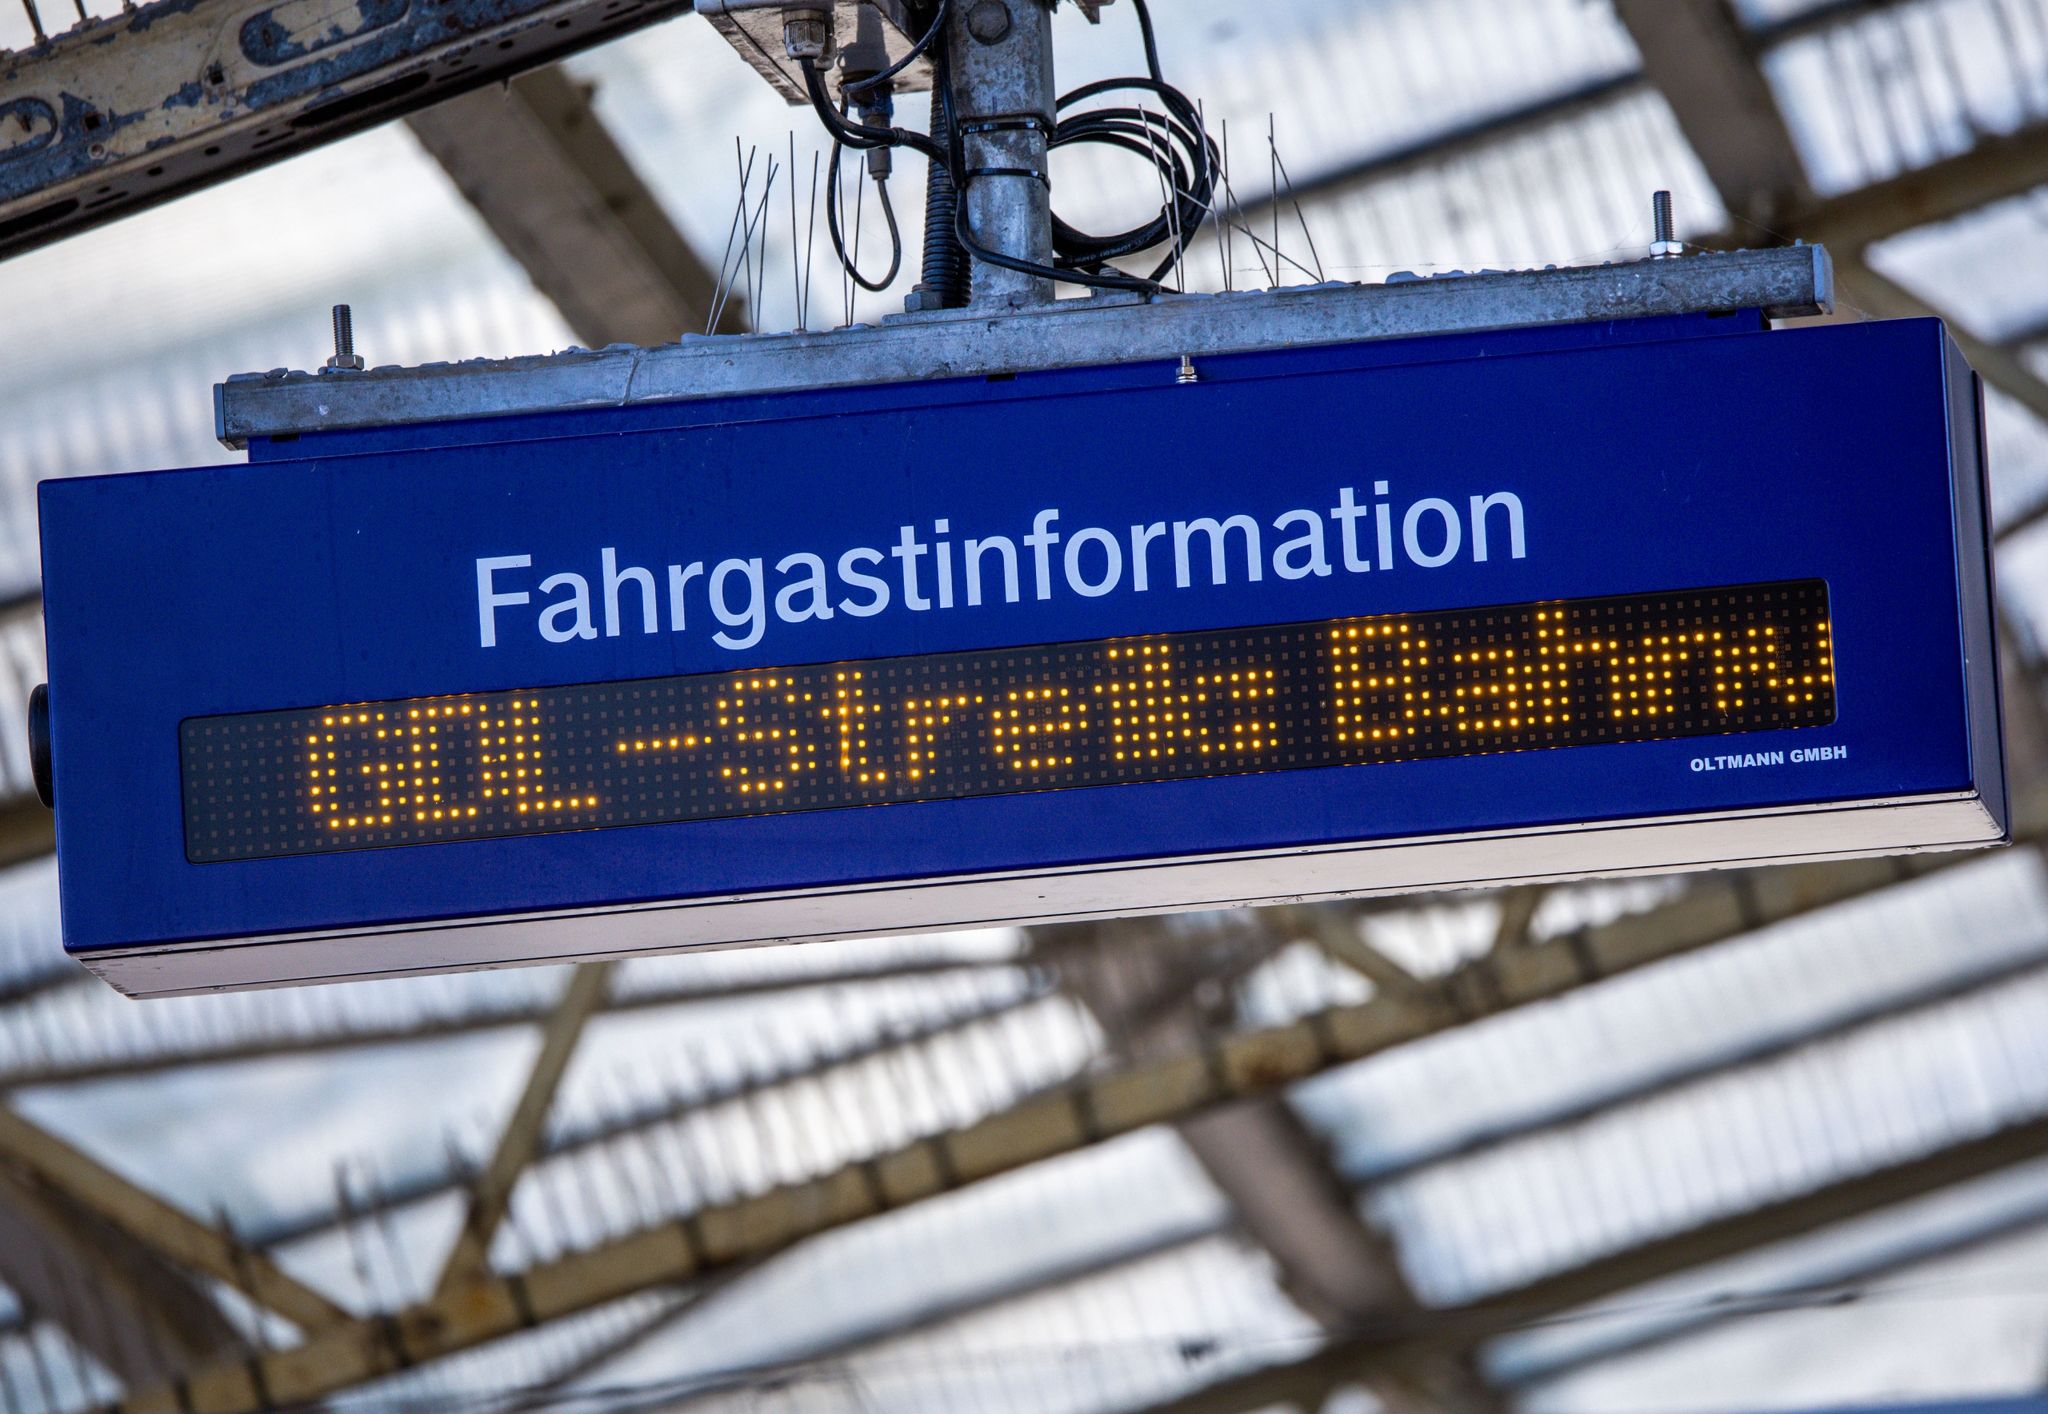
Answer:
(108, 361)
(1908, 84)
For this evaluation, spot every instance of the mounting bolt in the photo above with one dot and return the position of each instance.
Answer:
(1666, 241)
(1187, 372)
(989, 21)
(345, 356)
(806, 34)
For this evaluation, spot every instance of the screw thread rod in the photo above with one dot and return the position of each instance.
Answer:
(344, 332)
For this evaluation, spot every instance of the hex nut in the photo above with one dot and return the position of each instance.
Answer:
(989, 21)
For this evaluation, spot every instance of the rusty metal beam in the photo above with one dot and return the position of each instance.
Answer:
(169, 97)
(520, 1140)
(1094, 1109)
(404, 1192)
(157, 1225)
(1306, 1383)
(141, 1317)
(1698, 53)
(535, 160)
(1278, 1178)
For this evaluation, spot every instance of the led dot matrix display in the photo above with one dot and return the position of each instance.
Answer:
(1401, 687)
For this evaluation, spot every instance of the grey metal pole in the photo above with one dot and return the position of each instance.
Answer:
(1001, 57)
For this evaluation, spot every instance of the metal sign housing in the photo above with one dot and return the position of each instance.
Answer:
(1366, 616)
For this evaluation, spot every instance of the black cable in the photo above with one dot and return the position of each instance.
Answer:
(832, 223)
(917, 51)
(857, 135)
(1107, 280)
(947, 276)
(1173, 140)
(1176, 143)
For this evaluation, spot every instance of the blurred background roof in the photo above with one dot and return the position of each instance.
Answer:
(1797, 1157)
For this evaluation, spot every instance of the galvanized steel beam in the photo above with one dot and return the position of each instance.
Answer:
(1001, 67)
(1073, 333)
(120, 113)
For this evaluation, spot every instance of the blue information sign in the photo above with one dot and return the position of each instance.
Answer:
(1072, 643)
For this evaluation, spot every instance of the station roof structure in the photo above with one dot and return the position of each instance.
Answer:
(1723, 1141)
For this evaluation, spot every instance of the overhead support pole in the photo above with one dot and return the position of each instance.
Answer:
(536, 161)
(1000, 54)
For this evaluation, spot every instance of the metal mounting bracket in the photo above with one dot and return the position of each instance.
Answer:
(1789, 281)
(866, 36)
